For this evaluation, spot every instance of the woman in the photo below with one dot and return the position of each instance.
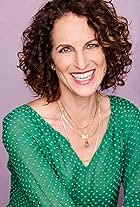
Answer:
(73, 146)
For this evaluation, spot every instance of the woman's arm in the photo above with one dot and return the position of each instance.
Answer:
(39, 181)
(131, 178)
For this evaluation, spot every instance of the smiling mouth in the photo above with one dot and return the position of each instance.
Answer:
(83, 76)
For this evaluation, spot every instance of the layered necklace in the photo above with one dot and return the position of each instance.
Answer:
(83, 132)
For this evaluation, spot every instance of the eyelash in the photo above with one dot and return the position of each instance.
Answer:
(67, 49)
(64, 50)
(92, 45)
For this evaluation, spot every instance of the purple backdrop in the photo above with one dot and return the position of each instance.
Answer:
(14, 17)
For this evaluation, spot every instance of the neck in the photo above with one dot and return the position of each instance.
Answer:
(81, 109)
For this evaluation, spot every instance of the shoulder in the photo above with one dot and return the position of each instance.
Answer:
(15, 124)
(28, 115)
(123, 105)
(17, 115)
(23, 112)
(16, 112)
(21, 125)
(21, 117)
(46, 110)
(125, 113)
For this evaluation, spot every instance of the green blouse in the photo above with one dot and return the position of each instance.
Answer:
(46, 172)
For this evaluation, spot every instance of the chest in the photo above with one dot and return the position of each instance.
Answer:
(76, 138)
(99, 180)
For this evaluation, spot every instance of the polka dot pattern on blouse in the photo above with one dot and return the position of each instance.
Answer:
(46, 172)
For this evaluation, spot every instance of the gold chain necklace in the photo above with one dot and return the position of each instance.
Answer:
(71, 123)
(97, 139)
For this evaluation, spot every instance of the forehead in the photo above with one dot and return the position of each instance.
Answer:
(70, 28)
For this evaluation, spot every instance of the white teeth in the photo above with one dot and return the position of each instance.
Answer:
(83, 76)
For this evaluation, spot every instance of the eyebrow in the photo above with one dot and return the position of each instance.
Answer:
(67, 45)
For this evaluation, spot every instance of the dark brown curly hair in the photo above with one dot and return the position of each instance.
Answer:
(111, 31)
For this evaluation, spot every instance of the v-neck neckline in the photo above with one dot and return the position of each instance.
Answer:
(68, 143)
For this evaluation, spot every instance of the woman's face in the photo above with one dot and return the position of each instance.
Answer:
(78, 58)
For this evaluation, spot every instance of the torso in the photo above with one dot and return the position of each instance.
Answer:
(50, 114)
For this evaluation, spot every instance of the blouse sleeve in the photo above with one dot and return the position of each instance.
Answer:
(131, 178)
(38, 179)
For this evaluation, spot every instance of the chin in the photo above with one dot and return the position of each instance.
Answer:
(86, 90)
(84, 93)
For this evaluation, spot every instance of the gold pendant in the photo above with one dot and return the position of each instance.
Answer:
(85, 136)
(86, 143)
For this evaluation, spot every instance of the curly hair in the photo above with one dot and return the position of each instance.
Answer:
(111, 31)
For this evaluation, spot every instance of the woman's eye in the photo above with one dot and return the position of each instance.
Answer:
(65, 50)
(92, 46)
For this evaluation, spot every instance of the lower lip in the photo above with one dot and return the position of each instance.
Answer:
(84, 82)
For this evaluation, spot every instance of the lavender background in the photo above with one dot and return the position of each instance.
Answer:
(15, 15)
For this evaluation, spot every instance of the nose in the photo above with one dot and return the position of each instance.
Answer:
(80, 61)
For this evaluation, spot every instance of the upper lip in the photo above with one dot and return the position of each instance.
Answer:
(83, 72)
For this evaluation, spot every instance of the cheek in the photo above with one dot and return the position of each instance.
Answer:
(98, 57)
(102, 60)
(62, 63)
